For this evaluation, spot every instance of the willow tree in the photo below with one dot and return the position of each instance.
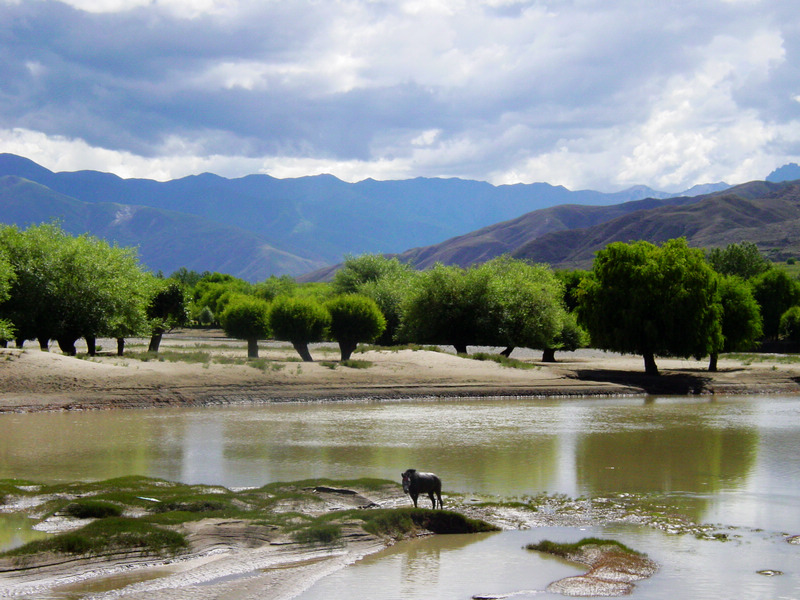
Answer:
(71, 287)
(354, 319)
(247, 318)
(299, 321)
(650, 300)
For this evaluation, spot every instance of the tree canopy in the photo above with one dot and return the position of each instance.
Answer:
(70, 287)
(300, 321)
(776, 292)
(354, 319)
(247, 318)
(743, 260)
(651, 300)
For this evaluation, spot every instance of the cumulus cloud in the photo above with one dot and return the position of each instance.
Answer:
(589, 93)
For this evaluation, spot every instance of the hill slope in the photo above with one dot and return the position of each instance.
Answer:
(767, 214)
(507, 237)
(167, 240)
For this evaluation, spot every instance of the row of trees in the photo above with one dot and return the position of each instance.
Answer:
(638, 298)
(54, 286)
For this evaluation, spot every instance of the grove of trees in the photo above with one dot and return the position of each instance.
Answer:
(642, 298)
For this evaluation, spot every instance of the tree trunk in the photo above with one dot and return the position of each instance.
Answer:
(347, 348)
(19, 342)
(650, 366)
(252, 348)
(302, 350)
(3, 343)
(44, 344)
(507, 352)
(120, 346)
(67, 346)
(91, 345)
(155, 342)
(460, 348)
(549, 355)
(712, 363)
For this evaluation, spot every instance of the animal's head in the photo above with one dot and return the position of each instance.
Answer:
(407, 479)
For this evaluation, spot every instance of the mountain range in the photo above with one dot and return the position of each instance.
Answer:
(256, 226)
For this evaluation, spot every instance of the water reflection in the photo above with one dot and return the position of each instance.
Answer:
(730, 452)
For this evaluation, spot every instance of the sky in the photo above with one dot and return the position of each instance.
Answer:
(589, 94)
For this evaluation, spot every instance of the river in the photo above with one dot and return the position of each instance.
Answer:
(728, 460)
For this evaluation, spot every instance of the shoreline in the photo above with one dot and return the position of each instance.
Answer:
(32, 380)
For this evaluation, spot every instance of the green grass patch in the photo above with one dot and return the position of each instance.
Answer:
(108, 535)
(400, 522)
(92, 509)
(751, 357)
(318, 533)
(505, 361)
(367, 347)
(192, 356)
(329, 364)
(565, 550)
(352, 363)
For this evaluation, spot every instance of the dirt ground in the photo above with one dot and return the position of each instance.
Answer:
(32, 380)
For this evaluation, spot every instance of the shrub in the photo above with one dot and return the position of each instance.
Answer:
(789, 328)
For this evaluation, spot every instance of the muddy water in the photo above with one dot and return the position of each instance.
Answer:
(729, 460)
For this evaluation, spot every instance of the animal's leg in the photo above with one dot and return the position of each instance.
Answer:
(433, 500)
(414, 498)
(439, 495)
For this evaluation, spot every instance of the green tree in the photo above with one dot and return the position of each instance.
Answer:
(789, 329)
(31, 301)
(168, 308)
(448, 305)
(7, 277)
(744, 260)
(214, 290)
(354, 319)
(300, 321)
(71, 287)
(651, 301)
(523, 303)
(189, 278)
(366, 268)
(273, 286)
(247, 318)
(741, 318)
(389, 293)
(776, 292)
(570, 337)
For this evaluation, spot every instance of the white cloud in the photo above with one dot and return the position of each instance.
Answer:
(585, 94)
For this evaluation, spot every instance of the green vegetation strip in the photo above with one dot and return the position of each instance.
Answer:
(163, 507)
(568, 549)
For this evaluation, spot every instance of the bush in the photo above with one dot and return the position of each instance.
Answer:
(789, 328)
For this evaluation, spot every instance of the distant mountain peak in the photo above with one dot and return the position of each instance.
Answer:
(788, 172)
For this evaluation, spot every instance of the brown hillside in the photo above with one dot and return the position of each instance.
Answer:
(767, 214)
(506, 237)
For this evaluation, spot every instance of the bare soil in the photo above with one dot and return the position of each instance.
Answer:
(32, 380)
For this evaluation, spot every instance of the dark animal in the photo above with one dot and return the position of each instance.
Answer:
(415, 483)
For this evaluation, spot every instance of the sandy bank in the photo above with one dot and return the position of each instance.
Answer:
(32, 380)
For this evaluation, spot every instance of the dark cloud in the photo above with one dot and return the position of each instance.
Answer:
(485, 90)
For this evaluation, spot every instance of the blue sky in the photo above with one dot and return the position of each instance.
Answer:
(599, 94)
